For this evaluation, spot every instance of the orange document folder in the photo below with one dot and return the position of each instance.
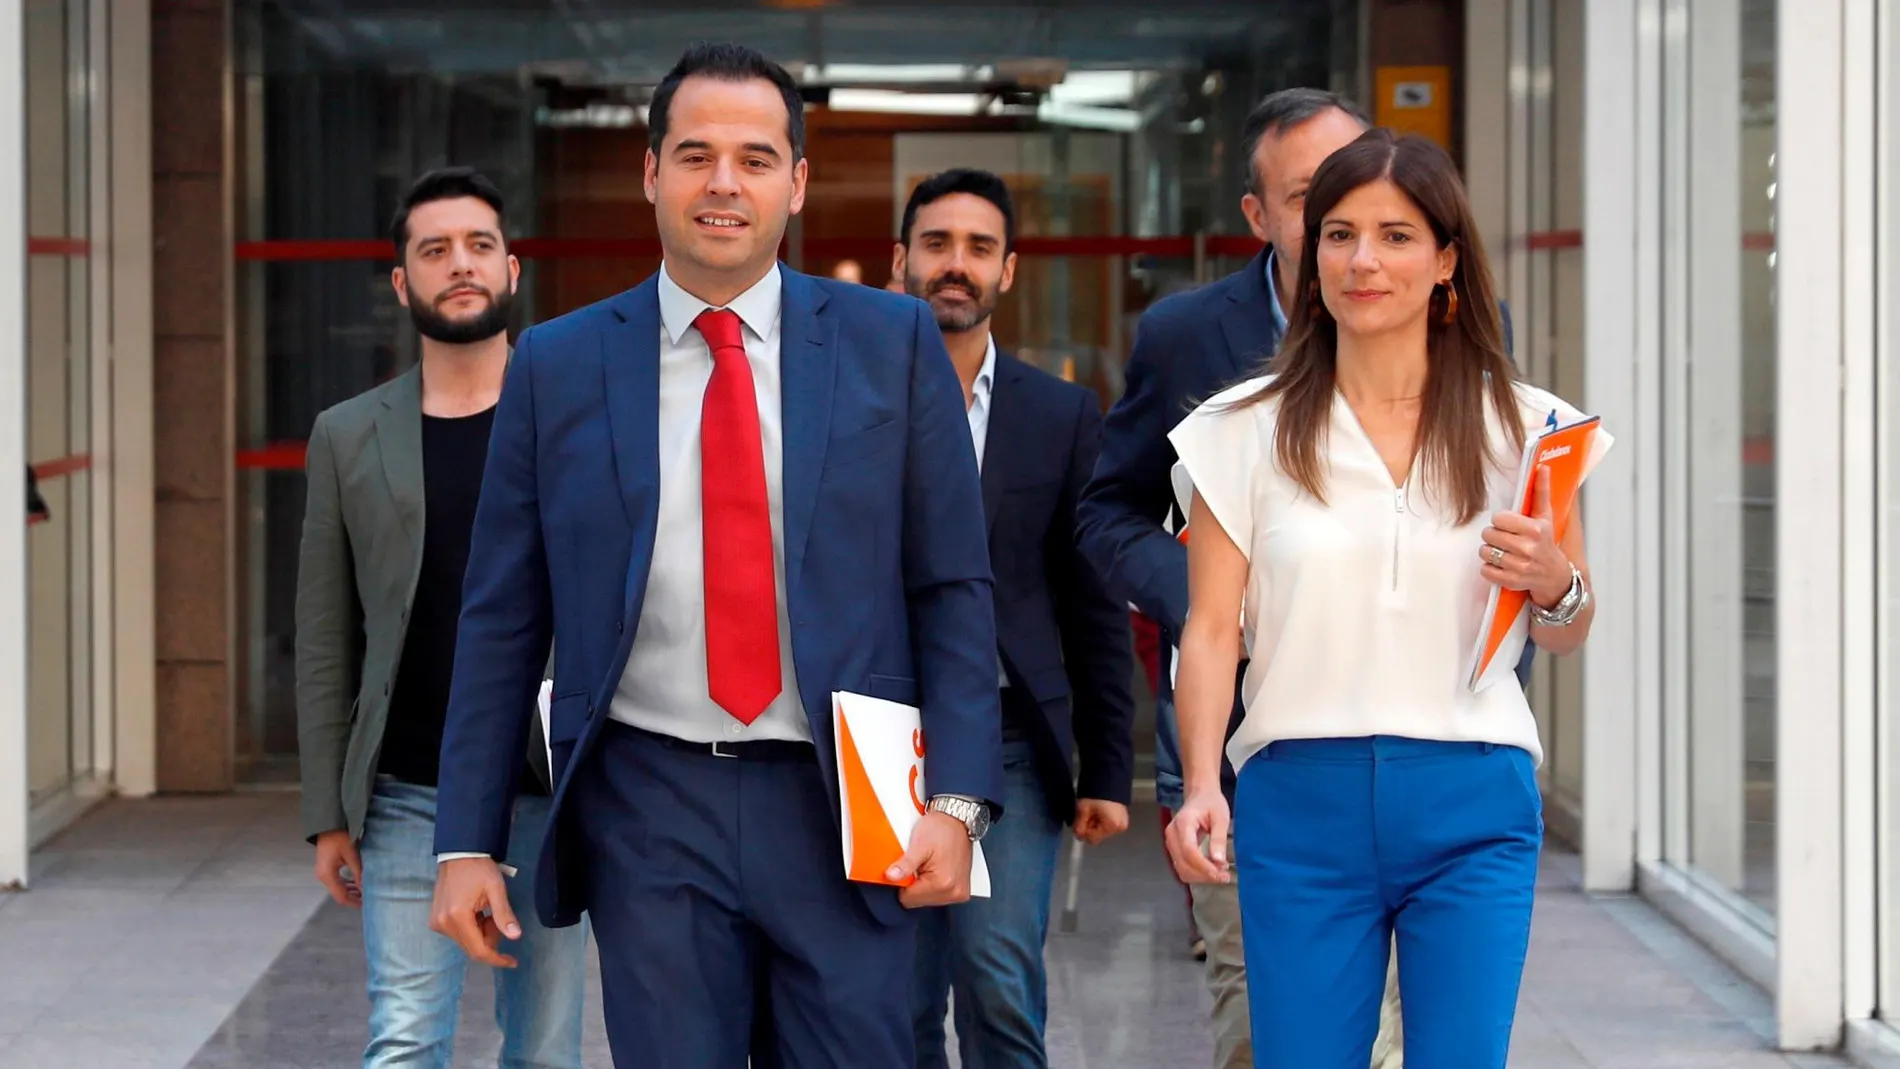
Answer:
(1569, 452)
(881, 786)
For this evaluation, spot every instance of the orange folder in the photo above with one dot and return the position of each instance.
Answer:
(881, 787)
(1569, 452)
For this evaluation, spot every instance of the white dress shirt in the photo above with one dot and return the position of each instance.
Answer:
(664, 688)
(979, 412)
(1361, 611)
(980, 391)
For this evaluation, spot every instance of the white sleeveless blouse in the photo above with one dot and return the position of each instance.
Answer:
(1360, 613)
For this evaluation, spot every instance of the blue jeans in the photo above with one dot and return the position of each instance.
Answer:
(415, 975)
(1340, 844)
(989, 950)
(1169, 788)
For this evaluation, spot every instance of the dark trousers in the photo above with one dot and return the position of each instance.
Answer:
(718, 900)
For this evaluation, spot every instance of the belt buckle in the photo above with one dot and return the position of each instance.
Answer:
(717, 752)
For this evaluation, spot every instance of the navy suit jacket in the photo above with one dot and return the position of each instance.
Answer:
(1062, 638)
(1188, 346)
(886, 573)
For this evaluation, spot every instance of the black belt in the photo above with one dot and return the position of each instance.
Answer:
(782, 750)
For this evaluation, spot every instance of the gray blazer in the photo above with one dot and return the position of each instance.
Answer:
(356, 583)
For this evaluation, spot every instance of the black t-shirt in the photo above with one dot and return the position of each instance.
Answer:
(454, 451)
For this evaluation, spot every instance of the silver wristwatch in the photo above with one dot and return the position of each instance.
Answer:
(1568, 607)
(971, 813)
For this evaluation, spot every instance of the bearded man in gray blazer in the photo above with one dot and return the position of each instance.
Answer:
(394, 476)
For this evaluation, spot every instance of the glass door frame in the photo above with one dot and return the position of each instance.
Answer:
(1689, 111)
(1640, 299)
(13, 458)
(89, 100)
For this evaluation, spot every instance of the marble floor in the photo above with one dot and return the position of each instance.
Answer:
(187, 932)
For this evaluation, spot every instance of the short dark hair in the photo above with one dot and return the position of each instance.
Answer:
(961, 180)
(1282, 111)
(728, 63)
(443, 183)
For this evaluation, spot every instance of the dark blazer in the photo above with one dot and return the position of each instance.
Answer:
(1188, 346)
(886, 574)
(356, 582)
(1062, 637)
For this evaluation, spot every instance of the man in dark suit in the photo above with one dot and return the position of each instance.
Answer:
(725, 495)
(394, 474)
(1063, 658)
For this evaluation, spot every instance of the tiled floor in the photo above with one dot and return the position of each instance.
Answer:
(187, 932)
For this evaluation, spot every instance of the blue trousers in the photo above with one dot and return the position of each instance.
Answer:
(415, 975)
(1340, 843)
(725, 924)
(989, 950)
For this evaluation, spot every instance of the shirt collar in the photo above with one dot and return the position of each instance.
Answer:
(757, 308)
(1273, 294)
(986, 376)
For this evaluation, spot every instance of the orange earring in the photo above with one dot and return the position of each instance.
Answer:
(1451, 303)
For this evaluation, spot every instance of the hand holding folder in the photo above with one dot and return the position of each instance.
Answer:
(1553, 469)
(881, 788)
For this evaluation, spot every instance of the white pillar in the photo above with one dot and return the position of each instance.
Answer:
(1811, 286)
(1487, 99)
(1614, 260)
(13, 458)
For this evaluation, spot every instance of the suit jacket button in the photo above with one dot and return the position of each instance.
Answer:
(620, 627)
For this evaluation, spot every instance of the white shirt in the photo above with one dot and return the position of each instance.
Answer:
(664, 688)
(1360, 613)
(979, 412)
(980, 391)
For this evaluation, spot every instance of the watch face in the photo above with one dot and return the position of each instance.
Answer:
(981, 825)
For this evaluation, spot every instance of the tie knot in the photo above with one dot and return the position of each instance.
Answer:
(720, 328)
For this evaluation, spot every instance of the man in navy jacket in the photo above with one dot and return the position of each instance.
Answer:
(723, 496)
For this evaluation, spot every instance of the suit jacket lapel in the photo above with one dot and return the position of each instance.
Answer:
(808, 365)
(1248, 321)
(630, 367)
(1003, 398)
(399, 441)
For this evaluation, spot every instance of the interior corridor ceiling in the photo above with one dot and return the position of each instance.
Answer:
(632, 42)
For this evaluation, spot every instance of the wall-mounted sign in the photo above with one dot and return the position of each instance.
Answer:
(1415, 100)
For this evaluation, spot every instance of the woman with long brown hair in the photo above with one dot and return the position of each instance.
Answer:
(1352, 510)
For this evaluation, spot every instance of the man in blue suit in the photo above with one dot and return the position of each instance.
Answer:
(1063, 656)
(1187, 347)
(723, 496)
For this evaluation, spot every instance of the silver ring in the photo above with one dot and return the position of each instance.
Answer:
(1497, 556)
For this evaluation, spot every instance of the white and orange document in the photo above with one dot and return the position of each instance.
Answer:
(881, 792)
(1569, 452)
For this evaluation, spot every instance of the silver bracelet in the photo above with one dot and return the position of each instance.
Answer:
(1568, 608)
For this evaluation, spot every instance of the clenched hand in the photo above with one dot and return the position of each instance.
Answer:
(939, 857)
(471, 907)
(336, 854)
(1097, 821)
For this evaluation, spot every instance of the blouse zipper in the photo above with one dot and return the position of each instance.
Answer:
(1398, 507)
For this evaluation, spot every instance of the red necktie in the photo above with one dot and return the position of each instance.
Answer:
(742, 654)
